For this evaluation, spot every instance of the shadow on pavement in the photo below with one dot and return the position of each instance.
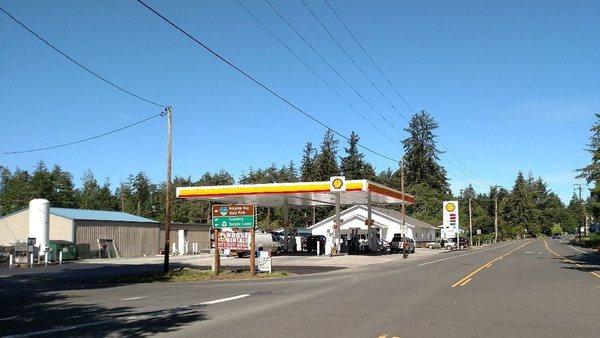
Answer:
(589, 262)
(37, 302)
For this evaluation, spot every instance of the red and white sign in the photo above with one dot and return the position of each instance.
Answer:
(239, 241)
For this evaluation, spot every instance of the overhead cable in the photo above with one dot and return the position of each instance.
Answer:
(87, 69)
(85, 139)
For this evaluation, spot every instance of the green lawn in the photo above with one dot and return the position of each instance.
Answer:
(192, 275)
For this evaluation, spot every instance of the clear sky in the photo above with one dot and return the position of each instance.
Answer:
(514, 85)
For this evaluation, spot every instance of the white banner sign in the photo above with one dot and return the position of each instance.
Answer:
(264, 261)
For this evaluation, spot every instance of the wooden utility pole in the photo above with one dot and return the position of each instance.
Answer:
(122, 198)
(470, 225)
(404, 253)
(169, 113)
(583, 216)
(252, 250)
(496, 214)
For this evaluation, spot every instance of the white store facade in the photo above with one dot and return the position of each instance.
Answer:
(386, 223)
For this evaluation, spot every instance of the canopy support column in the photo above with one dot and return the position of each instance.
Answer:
(369, 223)
(286, 226)
(337, 225)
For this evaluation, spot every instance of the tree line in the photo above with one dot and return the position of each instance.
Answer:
(529, 207)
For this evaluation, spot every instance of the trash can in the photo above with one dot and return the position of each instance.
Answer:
(69, 250)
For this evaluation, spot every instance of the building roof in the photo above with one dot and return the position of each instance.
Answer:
(98, 215)
(411, 220)
(391, 214)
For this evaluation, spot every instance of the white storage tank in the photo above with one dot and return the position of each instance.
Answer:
(39, 222)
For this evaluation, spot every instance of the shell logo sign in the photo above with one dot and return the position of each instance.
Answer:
(450, 207)
(337, 183)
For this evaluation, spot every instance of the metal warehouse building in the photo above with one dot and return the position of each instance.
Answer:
(132, 235)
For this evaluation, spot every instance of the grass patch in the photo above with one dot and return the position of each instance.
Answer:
(193, 275)
(592, 241)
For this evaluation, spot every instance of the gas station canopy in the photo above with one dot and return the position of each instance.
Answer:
(297, 194)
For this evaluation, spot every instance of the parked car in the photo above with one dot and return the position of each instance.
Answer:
(450, 243)
(433, 245)
(263, 242)
(556, 236)
(383, 245)
(311, 243)
(397, 242)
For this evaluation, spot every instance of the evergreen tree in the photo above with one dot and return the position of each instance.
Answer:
(63, 194)
(326, 161)
(518, 209)
(308, 168)
(88, 192)
(41, 182)
(422, 156)
(591, 173)
(353, 165)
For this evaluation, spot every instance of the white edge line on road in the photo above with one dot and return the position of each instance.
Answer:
(574, 248)
(222, 300)
(133, 298)
(59, 329)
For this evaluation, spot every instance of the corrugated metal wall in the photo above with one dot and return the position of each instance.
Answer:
(200, 236)
(132, 239)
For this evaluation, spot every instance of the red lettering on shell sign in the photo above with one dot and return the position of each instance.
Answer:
(233, 210)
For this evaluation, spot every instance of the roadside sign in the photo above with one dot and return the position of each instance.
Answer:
(479, 231)
(233, 216)
(238, 241)
(450, 219)
(264, 261)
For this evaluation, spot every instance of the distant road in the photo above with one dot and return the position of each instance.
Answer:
(528, 288)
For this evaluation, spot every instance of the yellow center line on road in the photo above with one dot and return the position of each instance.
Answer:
(467, 278)
(570, 261)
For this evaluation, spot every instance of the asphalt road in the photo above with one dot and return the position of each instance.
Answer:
(536, 288)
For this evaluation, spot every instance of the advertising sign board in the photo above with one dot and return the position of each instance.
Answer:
(233, 216)
(450, 219)
(238, 241)
(264, 261)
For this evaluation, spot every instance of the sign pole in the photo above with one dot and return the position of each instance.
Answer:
(252, 251)
(217, 266)
(169, 113)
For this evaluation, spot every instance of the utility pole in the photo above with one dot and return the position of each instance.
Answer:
(404, 253)
(496, 214)
(122, 198)
(169, 113)
(470, 225)
(583, 213)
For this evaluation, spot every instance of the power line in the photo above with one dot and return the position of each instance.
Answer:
(331, 67)
(360, 45)
(351, 58)
(46, 42)
(314, 72)
(369, 56)
(259, 83)
(85, 139)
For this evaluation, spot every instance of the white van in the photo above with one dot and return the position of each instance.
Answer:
(264, 242)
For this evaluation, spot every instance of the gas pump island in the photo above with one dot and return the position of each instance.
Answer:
(336, 192)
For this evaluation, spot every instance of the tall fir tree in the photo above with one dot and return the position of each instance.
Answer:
(421, 154)
(518, 209)
(591, 173)
(308, 167)
(326, 161)
(353, 165)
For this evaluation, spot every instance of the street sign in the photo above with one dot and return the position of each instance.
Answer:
(238, 241)
(479, 231)
(233, 216)
(264, 261)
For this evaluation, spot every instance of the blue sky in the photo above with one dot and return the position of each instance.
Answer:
(514, 85)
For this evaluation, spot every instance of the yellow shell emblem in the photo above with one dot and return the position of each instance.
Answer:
(337, 183)
(450, 207)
